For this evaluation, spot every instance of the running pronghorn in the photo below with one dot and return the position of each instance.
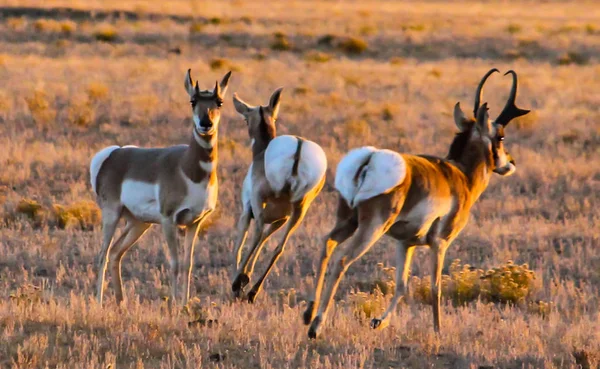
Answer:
(174, 186)
(418, 200)
(285, 176)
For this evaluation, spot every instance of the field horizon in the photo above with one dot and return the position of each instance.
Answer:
(521, 282)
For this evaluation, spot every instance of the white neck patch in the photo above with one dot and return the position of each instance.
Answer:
(206, 144)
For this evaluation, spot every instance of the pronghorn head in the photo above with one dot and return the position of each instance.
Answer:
(490, 133)
(206, 104)
(260, 119)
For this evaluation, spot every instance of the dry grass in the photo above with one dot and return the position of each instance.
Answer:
(74, 84)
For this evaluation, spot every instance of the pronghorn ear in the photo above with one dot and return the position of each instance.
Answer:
(224, 83)
(241, 106)
(483, 120)
(275, 101)
(189, 84)
(460, 118)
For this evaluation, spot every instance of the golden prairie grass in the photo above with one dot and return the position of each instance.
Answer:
(399, 97)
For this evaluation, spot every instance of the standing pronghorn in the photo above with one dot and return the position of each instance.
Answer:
(418, 200)
(174, 186)
(285, 176)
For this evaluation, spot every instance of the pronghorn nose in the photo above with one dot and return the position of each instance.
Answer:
(206, 122)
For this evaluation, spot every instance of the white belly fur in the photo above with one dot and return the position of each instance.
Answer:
(141, 199)
(279, 161)
(385, 170)
(200, 198)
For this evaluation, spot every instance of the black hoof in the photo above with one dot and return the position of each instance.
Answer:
(240, 282)
(314, 328)
(307, 316)
(375, 323)
(252, 296)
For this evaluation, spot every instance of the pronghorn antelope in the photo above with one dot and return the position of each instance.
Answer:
(285, 176)
(418, 200)
(174, 186)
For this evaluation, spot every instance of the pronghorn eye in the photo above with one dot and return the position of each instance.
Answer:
(192, 103)
(501, 138)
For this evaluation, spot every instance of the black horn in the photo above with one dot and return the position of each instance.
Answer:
(480, 90)
(511, 111)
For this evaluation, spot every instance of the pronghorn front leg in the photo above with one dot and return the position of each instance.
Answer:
(298, 213)
(170, 232)
(191, 236)
(438, 253)
(404, 255)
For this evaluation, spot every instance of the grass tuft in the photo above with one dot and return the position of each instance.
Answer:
(106, 33)
(354, 46)
(317, 57)
(84, 215)
(514, 28)
(41, 111)
(281, 42)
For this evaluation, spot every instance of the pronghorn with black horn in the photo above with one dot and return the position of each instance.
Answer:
(285, 176)
(418, 200)
(174, 186)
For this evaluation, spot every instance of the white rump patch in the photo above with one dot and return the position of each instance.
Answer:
(382, 170)
(279, 162)
(141, 199)
(97, 161)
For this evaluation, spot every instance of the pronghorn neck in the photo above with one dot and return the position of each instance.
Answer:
(265, 134)
(200, 158)
(474, 159)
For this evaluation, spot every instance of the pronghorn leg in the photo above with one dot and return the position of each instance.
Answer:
(340, 233)
(191, 236)
(271, 229)
(133, 231)
(242, 232)
(404, 255)
(438, 253)
(110, 220)
(170, 232)
(242, 279)
(372, 225)
(298, 213)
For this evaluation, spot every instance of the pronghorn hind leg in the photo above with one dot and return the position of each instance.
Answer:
(110, 221)
(374, 220)
(133, 231)
(404, 255)
(340, 233)
(298, 213)
(271, 229)
(242, 279)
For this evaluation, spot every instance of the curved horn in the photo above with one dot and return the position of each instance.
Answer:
(480, 90)
(511, 111)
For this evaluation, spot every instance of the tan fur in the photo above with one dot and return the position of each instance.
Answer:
(429, 208)
(274, 210)
(182, 173)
